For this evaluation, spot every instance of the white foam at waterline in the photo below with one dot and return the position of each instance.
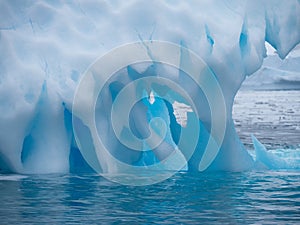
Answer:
(13, 177)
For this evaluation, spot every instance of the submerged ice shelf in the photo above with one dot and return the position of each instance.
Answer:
(47, 46)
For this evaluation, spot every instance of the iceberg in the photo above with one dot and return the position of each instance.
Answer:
(47, 47)
(274, 160)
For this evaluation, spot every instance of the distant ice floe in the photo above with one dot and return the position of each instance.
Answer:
(276, 73)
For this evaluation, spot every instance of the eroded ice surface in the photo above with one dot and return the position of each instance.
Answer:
(46, 46)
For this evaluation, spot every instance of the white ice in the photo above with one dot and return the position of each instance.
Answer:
(45, 47)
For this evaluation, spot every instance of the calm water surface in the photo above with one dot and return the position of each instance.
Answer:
(228, 198)
(272, 116)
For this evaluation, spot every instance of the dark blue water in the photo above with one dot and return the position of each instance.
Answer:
(257, 197)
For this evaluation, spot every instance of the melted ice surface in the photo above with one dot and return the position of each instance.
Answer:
(46, 46)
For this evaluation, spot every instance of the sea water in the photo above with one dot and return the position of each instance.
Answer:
(256, 197)
(252, 197)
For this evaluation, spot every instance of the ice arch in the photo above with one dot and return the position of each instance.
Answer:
(46, 46)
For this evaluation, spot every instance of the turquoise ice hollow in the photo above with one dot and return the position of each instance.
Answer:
(171, 157)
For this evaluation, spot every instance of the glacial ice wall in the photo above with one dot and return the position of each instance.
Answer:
(46, 46)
